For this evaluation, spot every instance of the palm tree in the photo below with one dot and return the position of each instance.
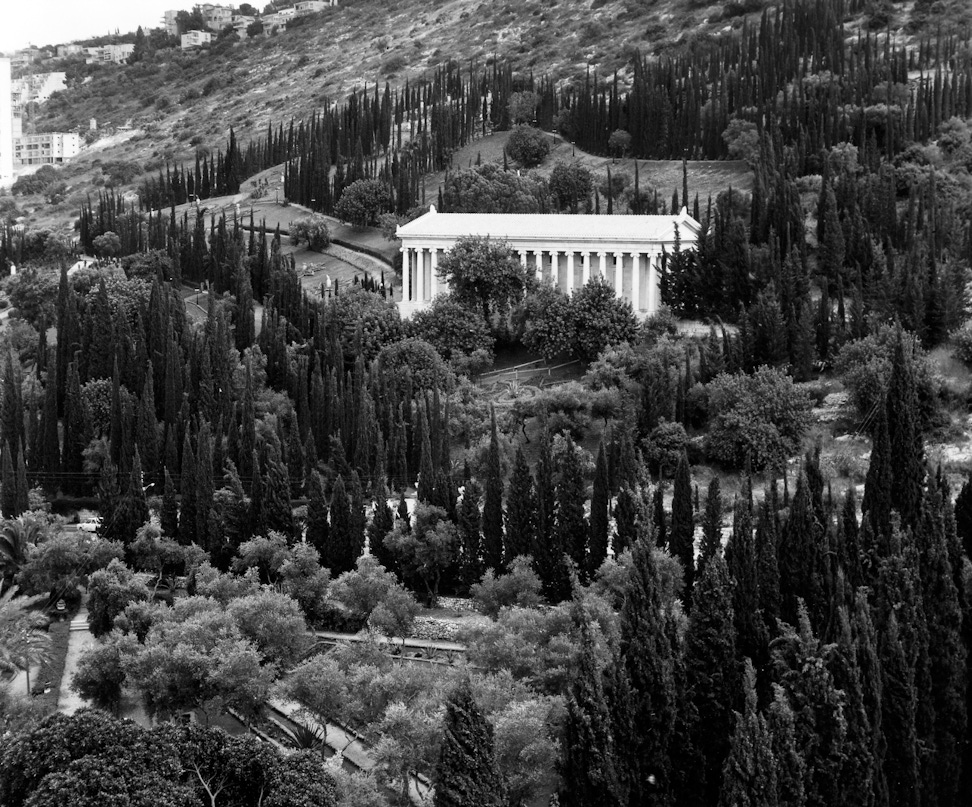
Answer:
(23, 640)
(16, 536)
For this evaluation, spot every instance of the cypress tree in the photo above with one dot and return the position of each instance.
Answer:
(12, 410)
(277, 512)
(904, 435)
(187, 487)
(799, 659)
(8, 484)
(339, 555)
(466, 772)
(76, 432)
(258, 520)
(647, 658)
(382, 523)
(600, 502)
(545, 557)
(682, 540)
(521, 509)
(790, 766)
(426, 482)
(741, 556)
(963, 515)
(169, 515)
(470, 533)
(711, 524)
(899, 703)
(109, 501)
(317, 526)
(625, 520)
(147, 429)
(132, 510)
(712, 675)
(358, 518)
(749, 775)
(588, 761)
(660, 521)
(50, 445)
(570, 525)
(801, 556)
(235, 512)
(493, 502)
(23, 486)
(204, 488)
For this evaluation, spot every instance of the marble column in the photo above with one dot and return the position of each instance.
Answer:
(602, 265)
(436, 289)
(420, 272)
(586, 269)
(406, 274)
(555, 268)
(539, 265)
(619, 275)
(652, 284)
(570, 273)
(523, 258)
(636, 281)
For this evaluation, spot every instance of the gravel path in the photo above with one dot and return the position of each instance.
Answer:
(80, 640)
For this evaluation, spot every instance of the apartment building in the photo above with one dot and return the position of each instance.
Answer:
(6, 125)
(196, 39)
(46, 148)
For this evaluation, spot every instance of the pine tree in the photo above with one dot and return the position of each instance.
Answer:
(646, 654)
(682, 540)
(466, 772)
(521, 509)
(712, 675)
(711, 524)
(600, 502)
(338, 557)
(169, 516)
(493, 502)
(588, 761)
(749, 775)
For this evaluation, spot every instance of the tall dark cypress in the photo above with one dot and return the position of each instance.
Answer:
(204, 488)
(646, 654)
(545, 557)
(904, 434)
(277, 512)
(521, 509)
(588, 760)
(147, 430)
(317, 526)
(626, 520)
(570, 525)
(187, 487)
(801, 555)
(338, 557)
(899, 703)
(169, 516)
(493, 502)
(358, 517)
(600, 502)
(682, 536)
(50, 445)
(470, 533)
(382, 523)
(76, 433)
(711, 524)
(712, 675)
(8, 484)
(963, 515)
(741, 556)
(466, 772)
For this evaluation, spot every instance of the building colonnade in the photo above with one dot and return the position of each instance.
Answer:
(633, 274)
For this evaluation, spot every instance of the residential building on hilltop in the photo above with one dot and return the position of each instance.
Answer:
(64, 51)
(46, 148)
(36, 88)
(561, 249)
(110, 54)
(312, 6)
(216, 17)
(25, 57)
(170, 21)
(196, 39)
(6, 125)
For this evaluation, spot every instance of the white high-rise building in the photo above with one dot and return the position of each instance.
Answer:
(6, 125)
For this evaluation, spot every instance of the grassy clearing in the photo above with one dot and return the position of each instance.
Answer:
(705, 177)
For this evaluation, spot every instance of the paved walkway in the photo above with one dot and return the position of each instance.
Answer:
(18, 684)
(80, 639)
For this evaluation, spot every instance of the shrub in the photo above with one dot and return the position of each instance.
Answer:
(527, 146)
(520, 588)
(455, 330)
(665, 445)
(313, 230)
(362, 201)
(962, 343)
(760, 418)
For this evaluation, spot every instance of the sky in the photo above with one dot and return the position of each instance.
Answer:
(52, 22)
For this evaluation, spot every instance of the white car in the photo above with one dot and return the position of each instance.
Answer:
(90, 524)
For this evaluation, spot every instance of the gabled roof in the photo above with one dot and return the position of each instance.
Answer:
(551, 226)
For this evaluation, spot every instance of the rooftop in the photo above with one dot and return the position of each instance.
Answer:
(517, 226)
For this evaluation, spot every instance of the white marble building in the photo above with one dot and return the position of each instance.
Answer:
(565, 250)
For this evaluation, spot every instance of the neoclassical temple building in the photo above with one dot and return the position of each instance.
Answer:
(565, 250)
